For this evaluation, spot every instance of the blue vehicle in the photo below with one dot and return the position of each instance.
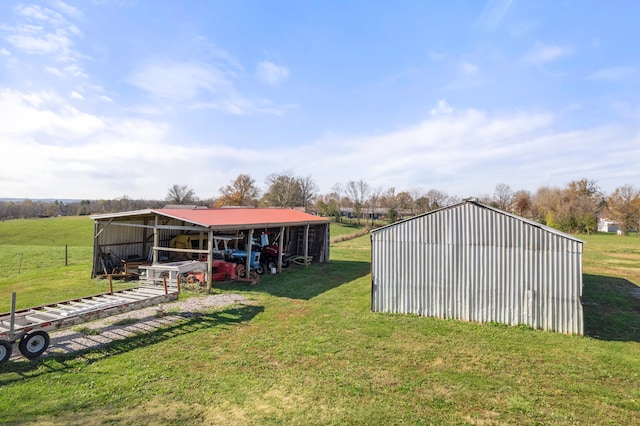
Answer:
(240, 257)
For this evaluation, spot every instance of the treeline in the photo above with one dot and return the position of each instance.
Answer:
(574, 208)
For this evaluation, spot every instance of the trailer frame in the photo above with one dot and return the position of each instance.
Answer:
(29, 326)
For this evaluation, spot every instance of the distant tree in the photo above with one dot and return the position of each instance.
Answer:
(521, 203)
(180, 194)
(503, 196)
(308, 190)
(416, 195)
(404, 202)
(283, 190)
(374, 201)
(358, 192)
(582, 201)
(573, 209)
(545, 204)
(338, 190)
(437, 199)
(624, 207)
(241, 192)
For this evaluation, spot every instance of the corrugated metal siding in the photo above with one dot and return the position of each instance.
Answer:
(473, 263)
(124, 241)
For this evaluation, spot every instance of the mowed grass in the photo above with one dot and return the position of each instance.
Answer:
(307, 350)
(47, 260)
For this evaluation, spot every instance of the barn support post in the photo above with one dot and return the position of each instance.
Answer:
(306, 244)
(96, 256)
(280, 248)
(210, 261)
(248, 247)
(156, 241)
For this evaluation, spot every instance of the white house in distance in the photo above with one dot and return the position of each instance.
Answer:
(607, 225)
(477, 263)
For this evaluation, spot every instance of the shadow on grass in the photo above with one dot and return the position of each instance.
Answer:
(611, 308)
(298, 282)
(192, 322)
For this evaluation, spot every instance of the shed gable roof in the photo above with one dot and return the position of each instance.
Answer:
(227, 217)
(495, 210)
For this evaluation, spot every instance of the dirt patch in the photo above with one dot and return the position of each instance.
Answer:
(127, 324)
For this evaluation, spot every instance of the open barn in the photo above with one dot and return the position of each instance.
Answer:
(169, 236)
(477, 263)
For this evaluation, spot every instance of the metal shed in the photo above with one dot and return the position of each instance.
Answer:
(146, 234)
(477, 263)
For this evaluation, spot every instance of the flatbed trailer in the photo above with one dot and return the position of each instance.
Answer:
(29, 326)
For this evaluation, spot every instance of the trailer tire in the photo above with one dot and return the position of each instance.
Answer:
(5, 351)
(34, 344)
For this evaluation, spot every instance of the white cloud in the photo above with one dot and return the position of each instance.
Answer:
(469, 69)
(612, 74)
(443, 108)
(76, 95)
(5, 52)
(493, 13)
(180, 81)
(44, 32)
(463, 152)
(542, 54)
(198, 86)
(55, 71)
(271, 74)
(67, 9)
(29, 114)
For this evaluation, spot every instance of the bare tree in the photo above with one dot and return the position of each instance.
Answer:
(374, 201)
(437, 199)
(358, 192)
(308, 190)
(181, 194)
(503, 196)
(241, 192)
(338, 190)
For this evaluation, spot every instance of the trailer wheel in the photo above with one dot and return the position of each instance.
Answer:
(34, 344)
(5, 351)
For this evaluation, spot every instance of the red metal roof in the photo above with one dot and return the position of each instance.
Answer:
(243, 217)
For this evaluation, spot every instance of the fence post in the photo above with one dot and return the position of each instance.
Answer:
(66, 256)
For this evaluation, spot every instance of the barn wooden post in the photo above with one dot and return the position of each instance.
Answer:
(210, 261)
(306, 244)
(280, 249)
(248, 247)
(156, 241)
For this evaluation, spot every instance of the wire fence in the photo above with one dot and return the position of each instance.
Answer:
(20, 260)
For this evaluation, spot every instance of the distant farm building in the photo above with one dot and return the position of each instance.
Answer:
(607, 225)
(477, 263)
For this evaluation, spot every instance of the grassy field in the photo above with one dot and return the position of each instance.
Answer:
(307, 350)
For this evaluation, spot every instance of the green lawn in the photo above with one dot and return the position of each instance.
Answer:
(307, 350)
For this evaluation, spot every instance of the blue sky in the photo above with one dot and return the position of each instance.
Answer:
(106, 98)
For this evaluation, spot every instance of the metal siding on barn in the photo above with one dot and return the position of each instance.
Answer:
(476, 263)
